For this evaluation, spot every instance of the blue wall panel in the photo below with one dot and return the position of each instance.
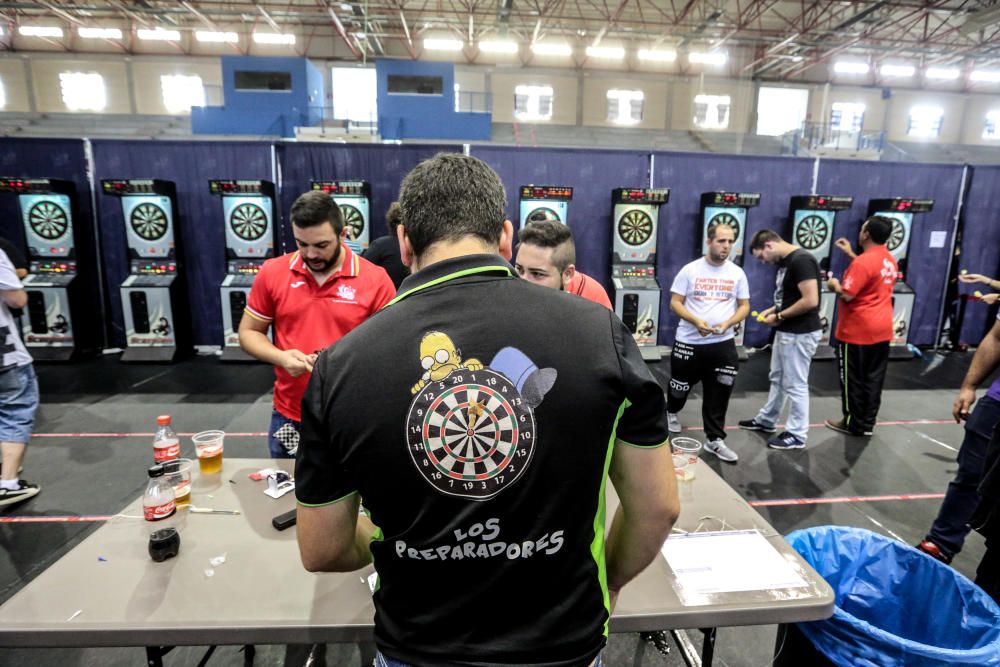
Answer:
(688, 175)
(980, 247)
(199, 217)
(928, 267)
(425, 116)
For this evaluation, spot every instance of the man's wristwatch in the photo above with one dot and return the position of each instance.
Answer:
(777, 315)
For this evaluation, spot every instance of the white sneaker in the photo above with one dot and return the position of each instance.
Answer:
(720, 449)
(673, 423)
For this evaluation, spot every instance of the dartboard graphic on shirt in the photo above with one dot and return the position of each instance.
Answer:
(635, 227)
(896, 236)
(471, 434)
(811, 232)
(48, 220)
(353, 219)
(727, 219)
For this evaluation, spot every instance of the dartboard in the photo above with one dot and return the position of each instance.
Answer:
(353, 219)
(248, 221)
(470, 435)
(896, 236)
(727, 219)
(811, 232)
(48, 220)
(149, 221)
(543, 213)
(635, 227)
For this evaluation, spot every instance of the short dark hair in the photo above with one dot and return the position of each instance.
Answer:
(879, 228)
(314, 208)
(551, 234)
(451, 196)
(393, 217)
(762, 237)
(714, 227)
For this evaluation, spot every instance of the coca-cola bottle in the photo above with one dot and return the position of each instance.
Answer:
(158, 501)
(166, 446)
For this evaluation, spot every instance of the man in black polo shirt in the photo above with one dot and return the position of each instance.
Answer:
(795, 315)
(480, 442)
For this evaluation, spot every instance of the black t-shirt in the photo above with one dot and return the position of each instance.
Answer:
(479, 439)
(384, 251)
(795, 267)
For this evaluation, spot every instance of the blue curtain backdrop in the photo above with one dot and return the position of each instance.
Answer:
(592, 174)
(980, 252)
(201, 227)
(927, 267)
(690, 174)
(53, 158)
(383, 166)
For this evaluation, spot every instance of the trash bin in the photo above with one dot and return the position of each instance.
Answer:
(895, 606)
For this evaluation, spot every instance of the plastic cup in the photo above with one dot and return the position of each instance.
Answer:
(686, 447)
(178, 474)
(208, 445)
(683, 468)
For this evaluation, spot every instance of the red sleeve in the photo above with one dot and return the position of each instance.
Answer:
(384, 290)
(858, 275)
(260, 305)
(598, 294)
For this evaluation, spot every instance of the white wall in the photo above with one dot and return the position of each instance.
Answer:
(902, 102)
(564, 95)
(148, 91)
(742, 95)
(48, 94)
(595, 100)
(15, 84)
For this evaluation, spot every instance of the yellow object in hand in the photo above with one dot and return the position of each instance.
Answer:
(964, 271)
(977, 294)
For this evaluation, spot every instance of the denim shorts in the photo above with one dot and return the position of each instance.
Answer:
(383, 661)
(283, 436)
(18, 403)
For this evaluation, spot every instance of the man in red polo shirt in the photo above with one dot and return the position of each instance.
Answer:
(312, 297)
(546, 256)
(864, 326)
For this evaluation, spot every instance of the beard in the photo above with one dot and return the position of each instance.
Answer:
(322, 266)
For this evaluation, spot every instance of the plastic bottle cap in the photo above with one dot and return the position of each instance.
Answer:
(156, 470)
(163, 420)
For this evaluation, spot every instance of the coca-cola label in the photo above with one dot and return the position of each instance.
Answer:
(166, 451)
(157, 512)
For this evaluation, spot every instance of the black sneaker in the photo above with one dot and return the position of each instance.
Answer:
(841, 427)
(786, 441)
(23, 492)
(754, 425)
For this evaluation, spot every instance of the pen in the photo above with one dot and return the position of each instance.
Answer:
(206, 510)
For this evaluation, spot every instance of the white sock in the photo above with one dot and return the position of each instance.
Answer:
(10, 484)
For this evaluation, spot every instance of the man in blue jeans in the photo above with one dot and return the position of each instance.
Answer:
(795, 315)
(18, 390)
(948, 532)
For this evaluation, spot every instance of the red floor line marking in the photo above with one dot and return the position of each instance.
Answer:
(54, 519)
(915, 422)
(844, 499)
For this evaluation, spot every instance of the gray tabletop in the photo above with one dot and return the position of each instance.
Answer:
(261, 594)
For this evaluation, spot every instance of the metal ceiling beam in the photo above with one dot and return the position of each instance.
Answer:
(339, 27)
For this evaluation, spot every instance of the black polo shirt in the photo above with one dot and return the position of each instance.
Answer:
(475, 414)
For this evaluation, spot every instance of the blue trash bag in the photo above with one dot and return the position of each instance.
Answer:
(895, 606)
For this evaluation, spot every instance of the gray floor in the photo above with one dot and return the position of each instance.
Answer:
(98, 474)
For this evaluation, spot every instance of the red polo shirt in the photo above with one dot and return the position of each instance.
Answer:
(309, 317)
(585, 286)
(867, 318)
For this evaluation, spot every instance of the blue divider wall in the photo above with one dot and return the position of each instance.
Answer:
(980, 251)
(688, 175)
(592, 174)
(927, 267)
(190, 165)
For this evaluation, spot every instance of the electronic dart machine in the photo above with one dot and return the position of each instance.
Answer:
(544, 202)
(354, 200)
(812, 218)
(635, 220)
(900, 210)
(154, 295)
(62, 317)
(728, 208)
(248, 213)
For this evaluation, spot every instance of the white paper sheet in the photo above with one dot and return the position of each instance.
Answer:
(729, 561)
(938, 239)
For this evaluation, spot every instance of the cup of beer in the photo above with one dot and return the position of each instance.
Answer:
(208, 445)
(178, 474)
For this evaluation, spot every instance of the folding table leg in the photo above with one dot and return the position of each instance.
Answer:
(154, 655)
(249, 651)
(708, 647)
